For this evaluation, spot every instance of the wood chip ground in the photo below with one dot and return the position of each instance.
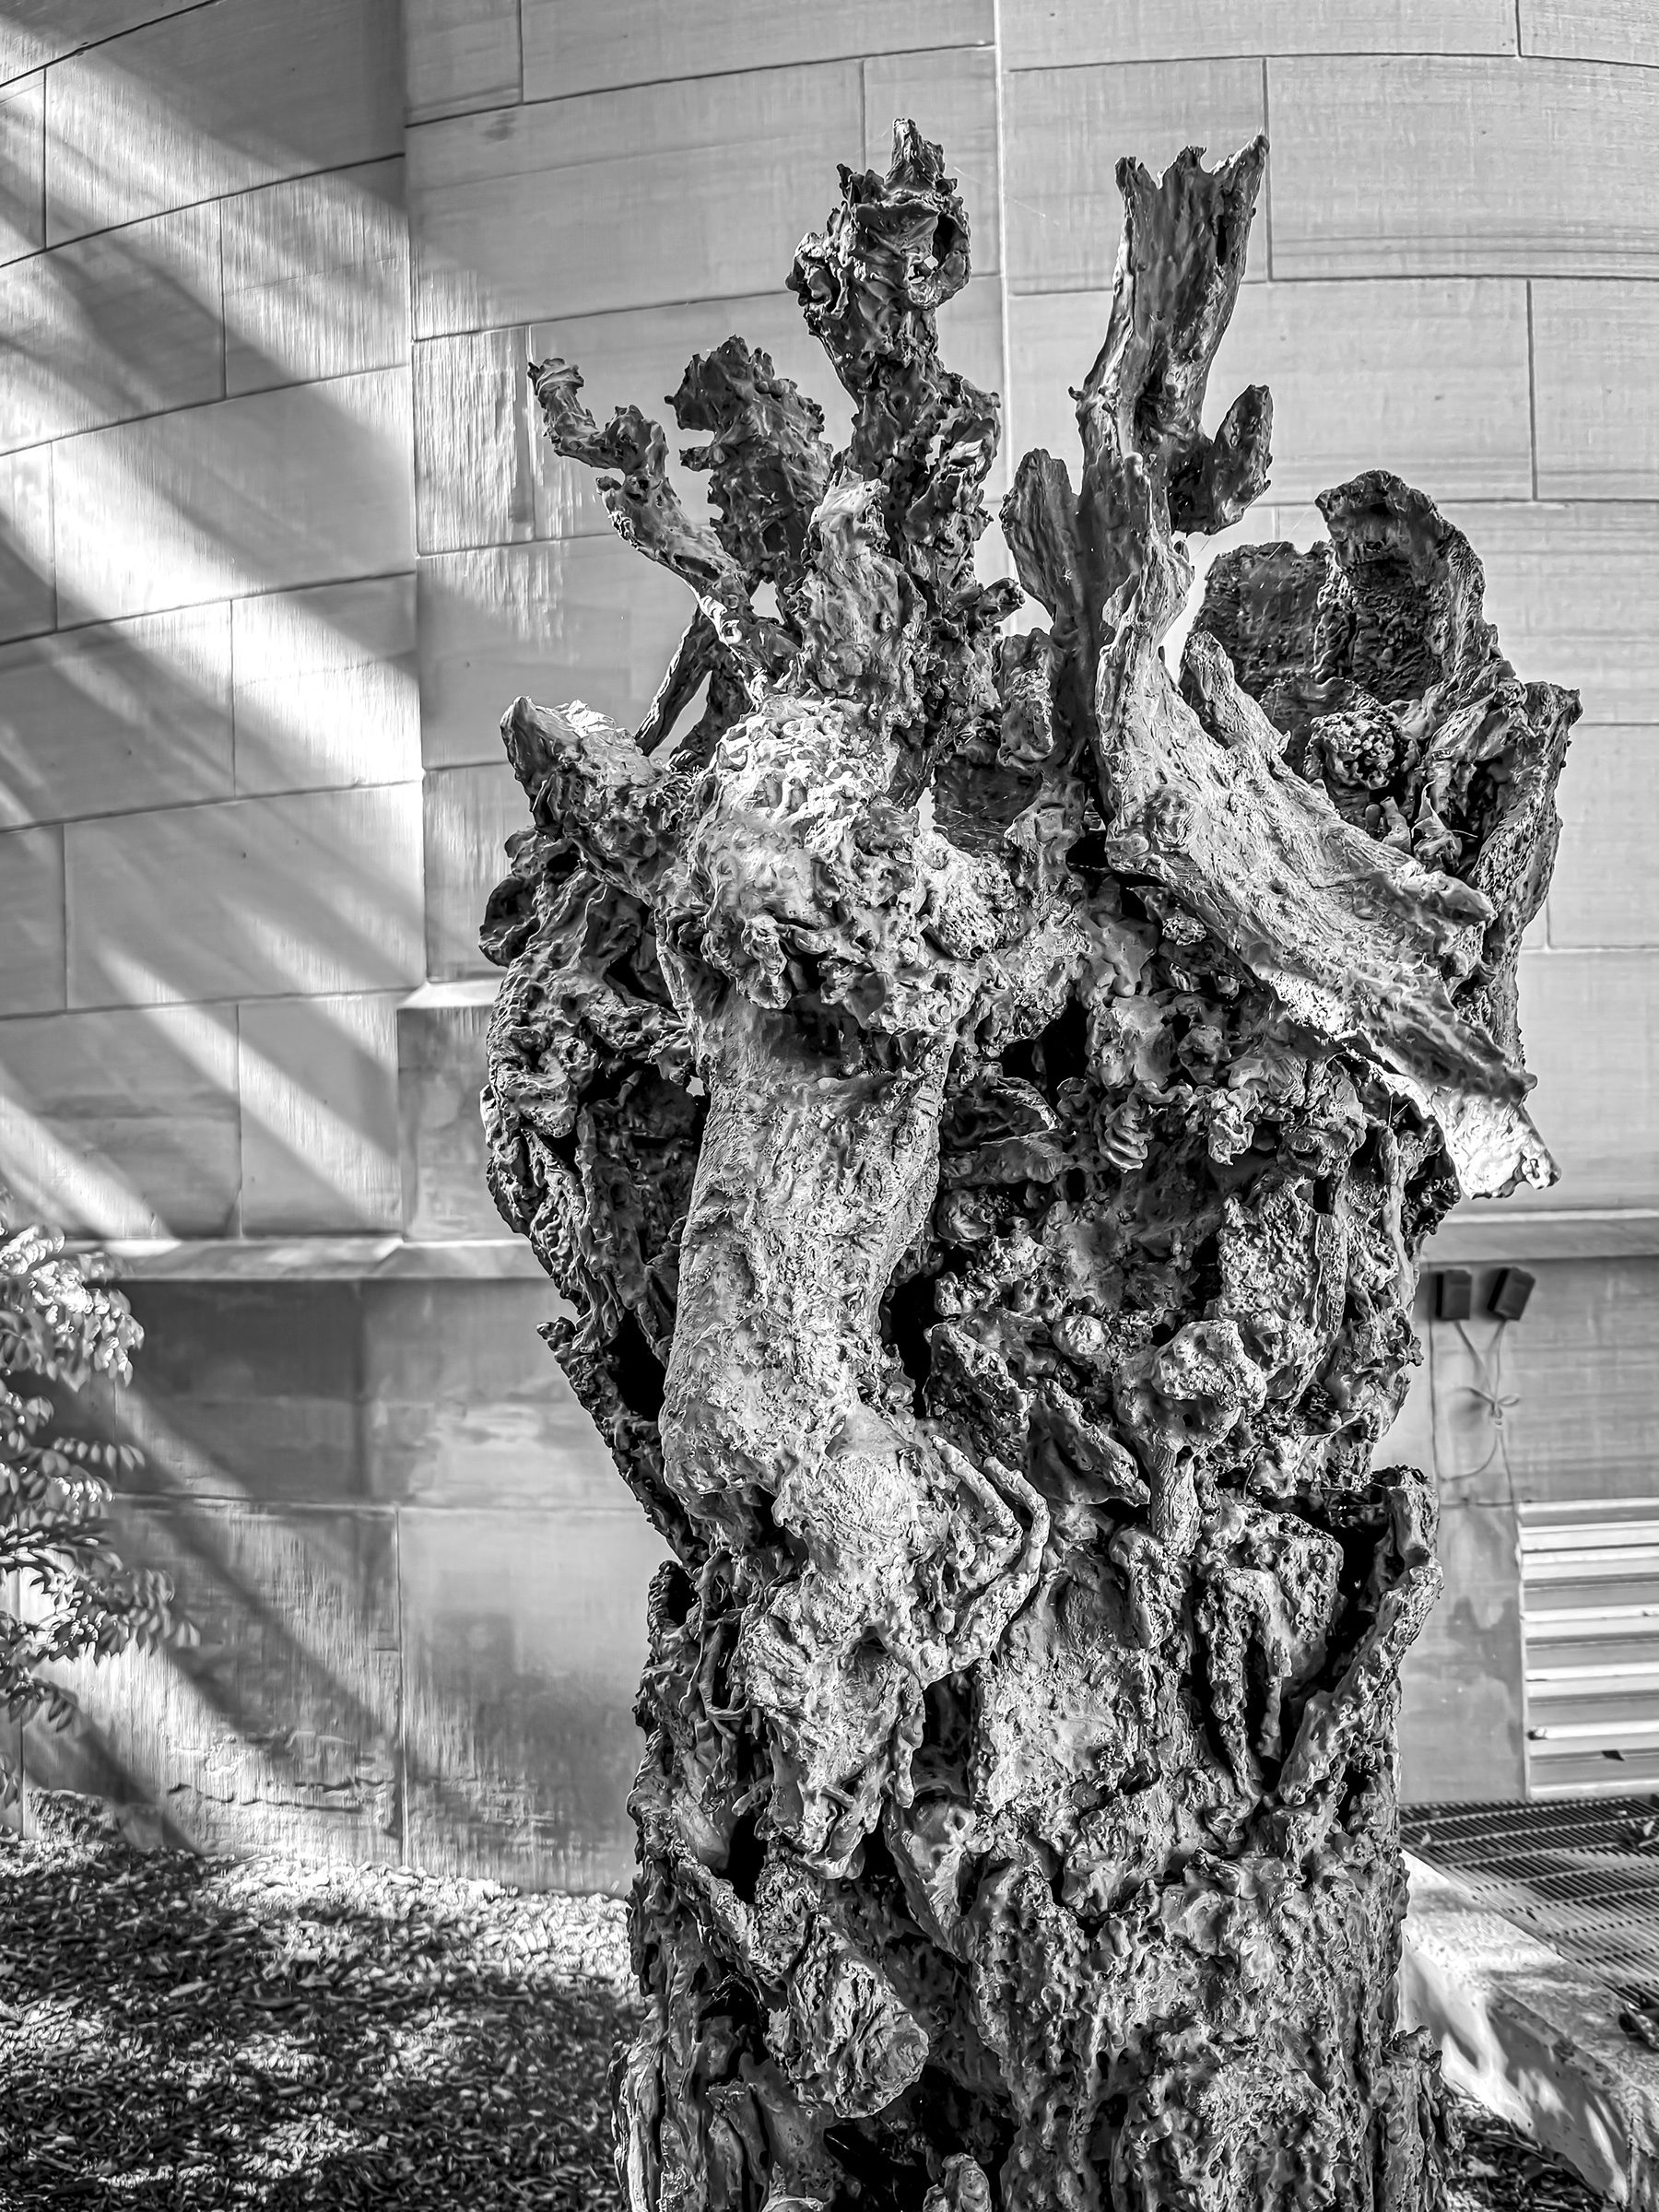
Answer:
(184, 2032)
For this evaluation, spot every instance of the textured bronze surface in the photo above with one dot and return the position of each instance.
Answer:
(983, 1094)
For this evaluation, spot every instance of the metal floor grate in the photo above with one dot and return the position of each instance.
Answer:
(1583, 1875)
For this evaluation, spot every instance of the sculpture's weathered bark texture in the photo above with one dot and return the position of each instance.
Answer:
(982, 1097)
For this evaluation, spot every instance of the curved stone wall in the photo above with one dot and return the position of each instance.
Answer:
(1453, 276)
(209, 735)
(278, 542)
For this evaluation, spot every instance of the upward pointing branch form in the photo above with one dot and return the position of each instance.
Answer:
(983, 1094)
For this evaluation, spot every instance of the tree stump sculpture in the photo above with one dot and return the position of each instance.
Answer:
(983, 1094)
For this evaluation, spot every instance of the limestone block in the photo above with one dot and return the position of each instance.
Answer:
(642, 357)
(36, 31)
(318, 1078)
(587, 617)
(317, 278)
(464, 1408)
(1462, 1724)
(327, 692)
(950, 95)
(1573, 585)
(460, 54)
(1473, 1465)
(1593, 344)
(470, 814)
(571, 50)
(1572, 579)
(1035, 32)
(486, 476)
(22, 161)
(1605, 891)
(120, 325)
(432, 1392)
(292, 487)
(1580, 1365)
(1063, 211)
(31, 921)
(247, 1393)
(27, 570)
(1436, 167)
(1590, 30)
(217, 101)
(476, 457)
(710, 201)
(439, 1074)
(279, 1729)
(1590, 1020)
(116, 717)
(123, 1123)
(1346, 364)
(524, 1636)
(252, 898)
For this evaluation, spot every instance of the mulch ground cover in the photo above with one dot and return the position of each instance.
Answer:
(178, 2031)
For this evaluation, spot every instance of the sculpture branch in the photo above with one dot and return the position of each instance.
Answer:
(982, 1097)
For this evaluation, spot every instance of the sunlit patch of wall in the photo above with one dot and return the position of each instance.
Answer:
(418, 1603)
(625, 187)
(209, 739)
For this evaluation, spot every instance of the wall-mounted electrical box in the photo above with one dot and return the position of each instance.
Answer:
(1510, 1293)
(1453, 1294)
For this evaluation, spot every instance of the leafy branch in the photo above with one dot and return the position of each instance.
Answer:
(64, 1592)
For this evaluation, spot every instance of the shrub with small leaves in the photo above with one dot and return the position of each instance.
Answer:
(64, 1595)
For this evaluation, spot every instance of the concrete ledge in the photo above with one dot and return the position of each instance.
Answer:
(1472, 1240)
(467, 991)
(315, 1259)
(1481, 1233)
(1531, 2037)
(1461, 1242)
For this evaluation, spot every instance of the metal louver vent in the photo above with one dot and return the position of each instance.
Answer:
(1590, 1636)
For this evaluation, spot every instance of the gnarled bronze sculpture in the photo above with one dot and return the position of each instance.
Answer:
(983, 1094)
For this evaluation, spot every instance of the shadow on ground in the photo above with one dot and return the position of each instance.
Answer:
(177, 2031)
(182, 2032)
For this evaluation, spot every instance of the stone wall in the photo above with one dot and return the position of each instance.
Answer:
(209, 733)
(417, 1593)
(277, 544)
(1454, 274)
